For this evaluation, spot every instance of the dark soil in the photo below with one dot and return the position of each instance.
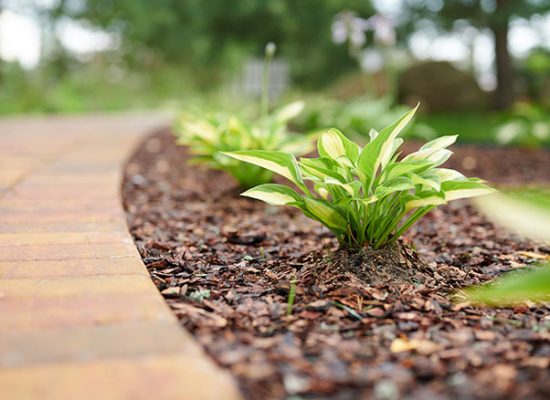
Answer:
(225, 265)
(392, 264)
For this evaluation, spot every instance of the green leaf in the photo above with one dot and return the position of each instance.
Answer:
(533, 286)
(388, 156)
(398, 184)
(297, 144)
(274, 194)
(454, 190)
(424, 199)
(440, 143)
(373, 133)
(446, 174)
(281, 163)
(326, 213)
(435, 156)
(320, 168)
(321, 189)
(406, 167)
(427, 180)
(192, 127)
(333, 144)
(369, 200)
(372, 155)
(289, 111)
(351, 188)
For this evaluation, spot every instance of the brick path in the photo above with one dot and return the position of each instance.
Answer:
(79, 315)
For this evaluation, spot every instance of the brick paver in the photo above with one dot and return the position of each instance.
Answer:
(79, 315)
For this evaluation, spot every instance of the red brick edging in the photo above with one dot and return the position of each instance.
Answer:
(79, 315)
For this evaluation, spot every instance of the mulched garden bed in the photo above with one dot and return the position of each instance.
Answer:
(225, 263)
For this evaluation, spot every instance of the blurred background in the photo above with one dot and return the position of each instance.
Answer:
(479, 67)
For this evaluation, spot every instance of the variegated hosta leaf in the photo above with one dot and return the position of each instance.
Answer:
(463, 189)
(321, 168)
(424, 199)
(373, 133)
(388, 156)
(235, 126)
(230, 139)
(298, 144)
(191, 127)
(335, 145)
(274, 194)
(369, 200)
(351, 188)
(398, 184)
(326, 213)
(406, 167)
(427, 180)
(289, 111)
(441, 142)
(445, 174)
(435, 156)
(321, 189)
(281, 163)
(373, 153)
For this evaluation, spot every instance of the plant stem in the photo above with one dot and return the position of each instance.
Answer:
(412, 219)
(291, 295)
(269, 53)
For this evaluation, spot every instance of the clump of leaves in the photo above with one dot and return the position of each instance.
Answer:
(209, 136)
(357, 116)
(527, 126)
(364, 195)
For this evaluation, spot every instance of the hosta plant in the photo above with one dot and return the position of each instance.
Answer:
(210, 135)
(364, 195)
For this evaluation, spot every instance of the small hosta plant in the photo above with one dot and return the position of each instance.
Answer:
(209, 136)
(364, 195)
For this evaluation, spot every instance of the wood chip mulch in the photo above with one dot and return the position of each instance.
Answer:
(225, 264)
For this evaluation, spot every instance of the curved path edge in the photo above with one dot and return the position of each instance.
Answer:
(80, 317)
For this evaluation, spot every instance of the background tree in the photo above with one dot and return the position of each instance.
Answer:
(494, 15)
(216, 32)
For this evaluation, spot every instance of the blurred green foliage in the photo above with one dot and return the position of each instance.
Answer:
(175, 52)
(475, 127)
(533, 286)
(535, 73)
(214, 32)
(85, 88)
(358, 116)
(527, 125)
(525, 211)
